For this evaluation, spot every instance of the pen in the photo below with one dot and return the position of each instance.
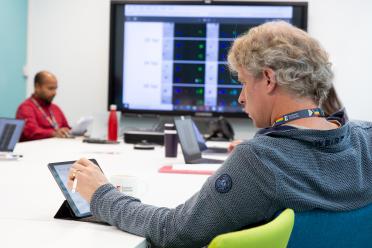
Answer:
(74, 184)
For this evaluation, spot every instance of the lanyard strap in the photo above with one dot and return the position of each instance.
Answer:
(52, 121)
(306, 113)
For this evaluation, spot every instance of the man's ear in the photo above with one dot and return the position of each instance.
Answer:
(37, 88)
(269, 77)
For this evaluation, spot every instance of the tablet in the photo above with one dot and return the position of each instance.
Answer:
(78, 204)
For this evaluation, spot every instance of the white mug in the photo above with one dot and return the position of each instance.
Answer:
(129, 185)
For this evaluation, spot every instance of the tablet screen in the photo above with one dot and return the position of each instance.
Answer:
(78, 204)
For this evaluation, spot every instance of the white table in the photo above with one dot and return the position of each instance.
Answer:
(30, 197)
(64, 234)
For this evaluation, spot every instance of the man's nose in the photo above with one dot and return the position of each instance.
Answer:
(241, 98)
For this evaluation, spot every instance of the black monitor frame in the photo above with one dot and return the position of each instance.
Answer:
(116, 51)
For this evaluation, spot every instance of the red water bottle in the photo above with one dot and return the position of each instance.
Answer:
(113, 124)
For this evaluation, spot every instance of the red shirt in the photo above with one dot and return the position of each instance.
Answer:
(37, 125)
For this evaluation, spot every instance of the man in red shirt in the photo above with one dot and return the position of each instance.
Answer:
(43, 119)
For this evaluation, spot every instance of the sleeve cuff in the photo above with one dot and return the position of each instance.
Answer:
(98, 194)
(49, 133)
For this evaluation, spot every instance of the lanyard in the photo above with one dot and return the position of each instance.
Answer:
(306, 113)
(52, 121)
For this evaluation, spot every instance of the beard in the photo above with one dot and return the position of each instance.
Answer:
(48, 100)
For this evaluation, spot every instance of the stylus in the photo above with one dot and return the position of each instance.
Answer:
(74, 184)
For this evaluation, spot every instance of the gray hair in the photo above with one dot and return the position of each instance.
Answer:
(300, 64)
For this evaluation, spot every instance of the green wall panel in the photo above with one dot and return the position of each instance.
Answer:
(13, 30)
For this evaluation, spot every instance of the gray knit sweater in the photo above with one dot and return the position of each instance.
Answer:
(294, 168)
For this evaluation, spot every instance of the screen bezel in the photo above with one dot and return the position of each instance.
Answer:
(116, 62)
(64, 190)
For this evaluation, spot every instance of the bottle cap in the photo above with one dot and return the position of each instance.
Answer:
(113, 107)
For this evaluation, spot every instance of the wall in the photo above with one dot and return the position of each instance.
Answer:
(71, 39)
(13, 23)
(344, 29)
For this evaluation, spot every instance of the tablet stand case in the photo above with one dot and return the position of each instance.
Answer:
(65, 212)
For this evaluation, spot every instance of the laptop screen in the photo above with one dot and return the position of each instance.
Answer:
(10, 132)
(188, 140)
(199, 137)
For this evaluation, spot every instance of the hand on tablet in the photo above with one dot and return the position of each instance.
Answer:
(89, 178)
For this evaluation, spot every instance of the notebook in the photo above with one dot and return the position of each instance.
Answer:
(189, 143)
(10, 132)
(81, 126)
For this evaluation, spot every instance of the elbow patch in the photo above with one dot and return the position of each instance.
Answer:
(223, 184)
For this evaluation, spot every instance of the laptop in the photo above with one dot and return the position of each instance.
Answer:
(189, 143)
(202, 144)
(10, 132)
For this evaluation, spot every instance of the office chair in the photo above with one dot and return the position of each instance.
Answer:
(320, 228)
(274, 234)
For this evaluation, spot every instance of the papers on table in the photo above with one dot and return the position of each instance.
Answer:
(202, 169)
(81, 125)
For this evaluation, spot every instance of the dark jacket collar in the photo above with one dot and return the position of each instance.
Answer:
(339, 116)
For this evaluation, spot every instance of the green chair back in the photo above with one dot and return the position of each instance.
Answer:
(274, 234)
